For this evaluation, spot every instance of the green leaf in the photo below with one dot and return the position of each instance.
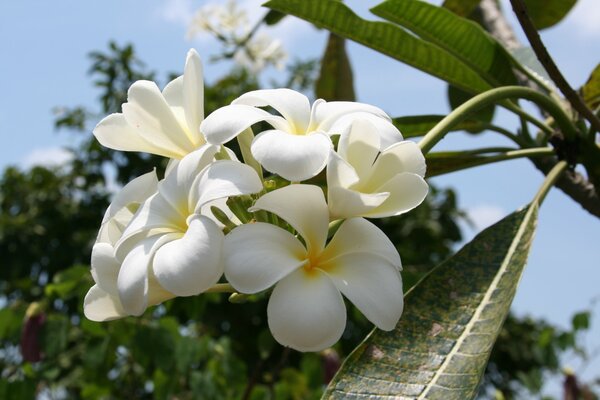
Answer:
(581, 321)
(591, 89)
(461, 7)
(335, 80)
(545, 13)
(273, 17)
(418, 125)
(464, 39)
(441, 346)
(440, 163)
(384, 38)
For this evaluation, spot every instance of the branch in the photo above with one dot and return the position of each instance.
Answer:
(542, 54)
(571, 183)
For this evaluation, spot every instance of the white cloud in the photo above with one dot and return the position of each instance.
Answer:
(484, 215)
(177, 11)
(47, 157)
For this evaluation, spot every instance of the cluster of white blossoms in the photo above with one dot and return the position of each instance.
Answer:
(213, 218)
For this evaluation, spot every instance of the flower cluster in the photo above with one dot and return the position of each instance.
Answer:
(213, 217)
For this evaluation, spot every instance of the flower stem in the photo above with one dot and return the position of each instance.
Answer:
(493, 96)
(550, 180)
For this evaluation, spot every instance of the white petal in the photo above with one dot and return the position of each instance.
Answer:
(154, 215)
(176, 188)
(306, 311)
(193, 263)
(402, 157)
(259, 255)
(360, 146)
(340, 173)
(133, 281)
(115, 132)
(346, 203)
(147, 111)
(225, 178)
(227, 122)
(292, 105)
(387, 132)
(173, 93)
(136, 191)
(372, 284)
(406, 192)
(105, 267)
(327, 113)
(100, 306)
(294, 157)
(193, 92)
(304, 208)
(357, 235)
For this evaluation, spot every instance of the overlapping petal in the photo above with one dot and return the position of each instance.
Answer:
(304, 208)
(306, 311)
(164, 123)
(293, 157)
(259, 255)
(98, 305)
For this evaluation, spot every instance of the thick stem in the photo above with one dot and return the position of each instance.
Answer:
(493, 96)
(550, 180)
(542, 54)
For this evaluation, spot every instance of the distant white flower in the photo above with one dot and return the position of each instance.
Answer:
(362, 181)
(102, 302)
(259, 52)
(171, 247)
(298, 148)
(306, 310)
(164, 123)
(224, 20)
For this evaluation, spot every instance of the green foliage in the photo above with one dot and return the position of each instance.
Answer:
(461, 7)
(546, 13)
(591, 90)
(443, 353)
(335, 78)
(385, 38)
(418, 125)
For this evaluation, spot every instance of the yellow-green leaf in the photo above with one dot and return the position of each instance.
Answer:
(386, 38)
(545, 13)
(591, 89)
(461, 7)
(418, 125)
(335, 82)
(441, 346)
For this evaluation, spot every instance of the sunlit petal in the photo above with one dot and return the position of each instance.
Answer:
(387, 132)
(259, 255)
(327, 113)
(294, 157)
(136, 191)
(357, 235)
(193, 93)
(406, 192)
(105, 267)
(193, 263)
(227, 122)
(306, 311)
(402, 157)
(372, 284)
(304, 208)
(292, 105)
(360, 146)
(345, 203)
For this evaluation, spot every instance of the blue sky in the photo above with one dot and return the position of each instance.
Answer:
(44, 47)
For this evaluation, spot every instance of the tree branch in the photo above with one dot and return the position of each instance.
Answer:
(571, 183)
(542, 54)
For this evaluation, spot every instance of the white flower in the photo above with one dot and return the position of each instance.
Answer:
(362, 181)
(259, 52)
(298, 148)
(171, 243)
(102, 302)
(306, 310)
(223, 20)
(164, 123)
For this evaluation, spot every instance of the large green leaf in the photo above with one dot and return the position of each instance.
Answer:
(545, 13)
(461, 7)
(591, 89)
(386, 38)
(418, 125)
(335, 82)
(441, 346)
(459, 36)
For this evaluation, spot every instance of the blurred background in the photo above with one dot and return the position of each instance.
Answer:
(67, 64)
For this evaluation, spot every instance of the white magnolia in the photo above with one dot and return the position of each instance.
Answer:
(298, 147)
(102, 302)
(165, 123)
(306, 310)
(171, 242)
(362, 181)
